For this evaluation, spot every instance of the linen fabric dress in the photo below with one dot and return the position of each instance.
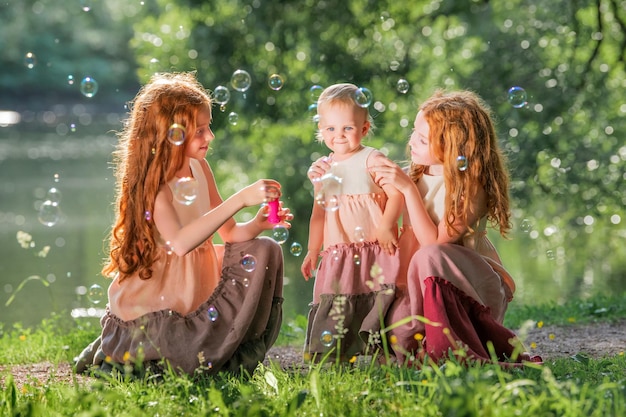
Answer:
(355, 281)
(461, 289)
(201, 310)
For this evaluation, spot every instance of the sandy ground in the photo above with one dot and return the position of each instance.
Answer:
(596, 340)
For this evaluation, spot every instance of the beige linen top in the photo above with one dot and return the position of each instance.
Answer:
(178, 283)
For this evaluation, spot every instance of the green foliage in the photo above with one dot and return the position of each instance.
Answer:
(566, 157)
(573, 311)
(56, 339)
(563, 388)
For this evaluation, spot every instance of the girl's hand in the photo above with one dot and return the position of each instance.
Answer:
(319, 168)
(387, 173)
(259, 192)
(284, 214)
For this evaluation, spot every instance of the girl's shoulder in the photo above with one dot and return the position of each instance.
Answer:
(165, 193)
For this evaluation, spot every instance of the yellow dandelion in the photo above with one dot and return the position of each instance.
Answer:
(24, 389)
(306, 356)
(108, 359)
(424, 381)
(22, 337)
(621, 353)
(571, 319)
(418, 336)
(393, 339)
(126, 356)
(551, 336)
(540, 324)
(533, 345)
(352, 359)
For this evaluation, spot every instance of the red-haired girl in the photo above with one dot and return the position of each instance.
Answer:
(457, 183)
(176, 298)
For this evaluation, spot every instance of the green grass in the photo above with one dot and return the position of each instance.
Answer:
(575, 386)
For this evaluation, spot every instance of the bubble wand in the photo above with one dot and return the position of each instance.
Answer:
(272, 216)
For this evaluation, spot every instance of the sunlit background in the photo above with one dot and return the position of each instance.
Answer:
(553, 73)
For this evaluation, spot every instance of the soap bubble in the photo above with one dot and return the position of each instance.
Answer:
(275, 82)
(233, 118)
(403, 86)
(296, 249)
(359, 234)
(240, 80)
(315, 92)
(30, 60)
(54, 195)
(212, 313)
(221, 95)
(88, 87)
(95, 294)
(176, 134)
(328, 195)
(248, 263)
(326, 338)
(280, 234)
(186, 190)
(461, 163)
(517, 97)
(49, 213)
(526, 226)
(329, 202)
(363, 97)
(70, 79)
(315, 117)
(169, 249)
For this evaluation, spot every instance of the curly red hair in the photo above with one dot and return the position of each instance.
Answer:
(461, 125)
(144, 161)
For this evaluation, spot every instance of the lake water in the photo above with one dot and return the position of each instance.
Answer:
(51, 258)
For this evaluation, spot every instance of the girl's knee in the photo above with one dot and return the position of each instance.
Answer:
(429, 255)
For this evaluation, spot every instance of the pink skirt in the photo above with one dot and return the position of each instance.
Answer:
(452, 301)
(354, 288)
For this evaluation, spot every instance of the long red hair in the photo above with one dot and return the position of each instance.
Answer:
(144, 160)
(461, 126)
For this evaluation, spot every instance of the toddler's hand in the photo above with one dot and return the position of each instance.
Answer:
(319, 168)
(387, 240)
(309, 264)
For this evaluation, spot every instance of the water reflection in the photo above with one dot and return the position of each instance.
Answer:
(8, 118)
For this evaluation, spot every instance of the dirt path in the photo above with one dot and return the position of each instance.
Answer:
(596, 340)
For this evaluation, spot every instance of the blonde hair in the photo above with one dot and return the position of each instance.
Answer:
(343, 93)
(461, 126)
(144, 161)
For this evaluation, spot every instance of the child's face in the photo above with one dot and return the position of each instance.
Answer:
(342, 127)
(419, 143)
(199, 141)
